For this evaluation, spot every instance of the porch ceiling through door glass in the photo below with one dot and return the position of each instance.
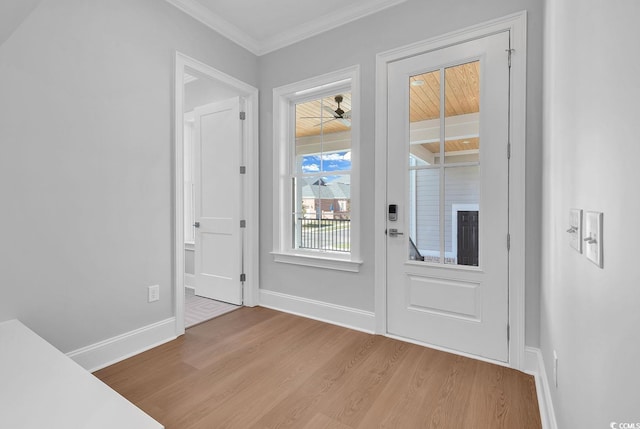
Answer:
(462, 100)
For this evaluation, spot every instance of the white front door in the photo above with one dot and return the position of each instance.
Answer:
(447, 182)
(218, 196)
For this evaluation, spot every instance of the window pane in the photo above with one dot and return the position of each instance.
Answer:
(308, 139)
(424, 117)
(323, 134)
(461, 213)
(322, 218)
(308, 118)
(424, 214)
(321, 179)
(462, 113)
(336, 115)
(337, 161)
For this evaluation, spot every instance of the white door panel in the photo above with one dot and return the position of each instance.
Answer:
(437, 293)
(218, 251)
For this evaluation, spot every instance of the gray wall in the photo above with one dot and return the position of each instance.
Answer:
(189, 262)
(591, 316)
(358, 43)
(12, 14)
(85, 172)
(204, 91)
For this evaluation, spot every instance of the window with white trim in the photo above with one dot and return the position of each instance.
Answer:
(316, 142)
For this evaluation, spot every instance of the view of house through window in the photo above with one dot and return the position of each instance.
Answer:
(321, 174)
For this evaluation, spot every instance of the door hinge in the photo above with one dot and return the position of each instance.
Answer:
(509, 52)
(243, 277)
(243, 116)
(243, 169)
(243, 224)
(508, 241)
(508, 150)
(508, 332)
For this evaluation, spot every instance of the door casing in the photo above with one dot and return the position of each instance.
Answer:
(516, 25)
(250, 196)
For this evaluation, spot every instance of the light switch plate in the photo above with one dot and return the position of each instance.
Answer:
(575, 229)
(593, 237)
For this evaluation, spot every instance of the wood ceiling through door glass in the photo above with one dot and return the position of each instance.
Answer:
(462, 97)
(462, 93)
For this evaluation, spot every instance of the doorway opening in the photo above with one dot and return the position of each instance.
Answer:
(198, 309)
(465, 234)
(216, 193)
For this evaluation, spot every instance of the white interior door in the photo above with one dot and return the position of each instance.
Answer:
(447, 176)
(218, 196)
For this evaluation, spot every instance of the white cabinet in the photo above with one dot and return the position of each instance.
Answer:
(40, 387)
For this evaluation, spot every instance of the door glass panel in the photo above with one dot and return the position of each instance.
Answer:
(462, 113)
(461, 215)
(444, 197)
(424, 117)
(424, 215)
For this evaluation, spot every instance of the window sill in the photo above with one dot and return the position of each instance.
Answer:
(318, 261)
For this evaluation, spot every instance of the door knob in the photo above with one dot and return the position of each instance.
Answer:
(197, 224)
(393, 232)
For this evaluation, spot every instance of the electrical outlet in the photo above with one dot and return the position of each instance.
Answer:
(154, 293)
(555, 368)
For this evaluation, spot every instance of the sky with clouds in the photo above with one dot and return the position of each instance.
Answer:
(328, 162)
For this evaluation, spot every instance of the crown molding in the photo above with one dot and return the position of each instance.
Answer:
(325, 23)
(288, 37)
(197, 11)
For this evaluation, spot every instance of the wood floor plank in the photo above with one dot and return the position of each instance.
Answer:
(320, 421)
(233, 367)
(354, 399)
(399, 405)
(452, 399)
(289, 369)
(301, 404)
(259, 368)
(489, 403)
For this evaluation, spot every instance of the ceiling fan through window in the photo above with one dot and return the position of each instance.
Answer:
(333, 115)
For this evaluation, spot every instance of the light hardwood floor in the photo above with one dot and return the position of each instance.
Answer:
(259, 368)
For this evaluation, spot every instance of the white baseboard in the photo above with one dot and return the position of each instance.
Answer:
(347, 317)
(113, 350)
(534, 365)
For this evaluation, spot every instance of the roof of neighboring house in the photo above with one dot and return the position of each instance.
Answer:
(321, 189)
